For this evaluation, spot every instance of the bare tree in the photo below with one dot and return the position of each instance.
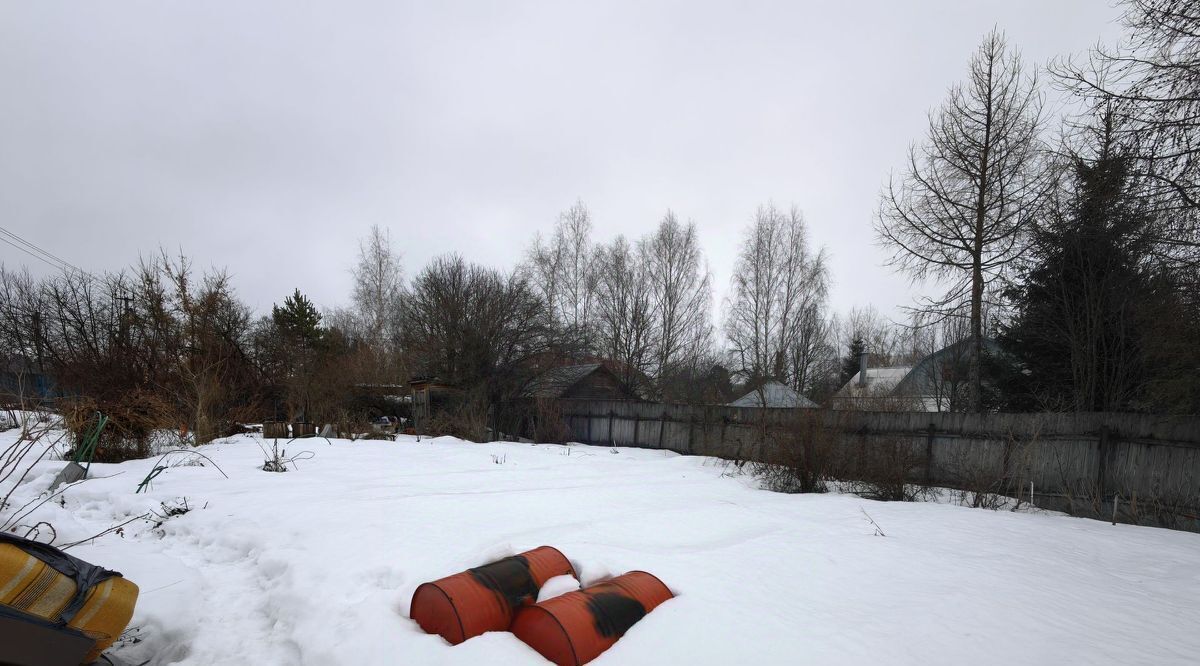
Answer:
(939, 351)
(882, 339)
(562, 271)
(378, 285)
(624, 310)
(680, 289)
(775, 320)
(960, 210)
(474, 326)
(1152, 84)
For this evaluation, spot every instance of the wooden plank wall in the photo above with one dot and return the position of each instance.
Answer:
(1087, 464)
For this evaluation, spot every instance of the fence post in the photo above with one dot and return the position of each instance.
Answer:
(637, 426)
(611, 439)
(1102, 467)
(929, 453)
(662, 426)
(589, 427)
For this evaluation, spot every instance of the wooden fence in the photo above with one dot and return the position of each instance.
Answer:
(1138, 468)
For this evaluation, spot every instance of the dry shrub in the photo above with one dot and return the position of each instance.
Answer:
(349, 424)
(982, 484)
(548, 424)
(799, 457)
(467, 419)
(137, 421)
(883, 470)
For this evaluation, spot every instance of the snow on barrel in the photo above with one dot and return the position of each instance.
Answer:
(573, 629)
(485, 598)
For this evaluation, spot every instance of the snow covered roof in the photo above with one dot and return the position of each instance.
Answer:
(775, 395)
(880, 381)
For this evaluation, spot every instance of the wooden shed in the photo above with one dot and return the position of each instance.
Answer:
(429, 394)
(538, 411)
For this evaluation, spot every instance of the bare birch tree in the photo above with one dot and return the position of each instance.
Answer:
(378, 285)
(775, 319)
(680, 289)
(624, 310)
(959, 211)
(562, 270)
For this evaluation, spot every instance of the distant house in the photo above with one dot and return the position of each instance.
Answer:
(936, 383)
(941, 378)
(774, 395)
(539, 412)
(21, 380)
(874, 390)
(591, 381)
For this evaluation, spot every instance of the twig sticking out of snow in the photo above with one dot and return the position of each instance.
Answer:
(115, 528)
(277, 461)
(159, 467)
(878, 530)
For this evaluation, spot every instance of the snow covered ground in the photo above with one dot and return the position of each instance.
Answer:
(317, 565)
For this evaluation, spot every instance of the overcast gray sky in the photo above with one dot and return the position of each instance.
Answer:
(268, 136)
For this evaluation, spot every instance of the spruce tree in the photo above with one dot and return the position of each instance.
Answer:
(851, 362)
(1081, 314)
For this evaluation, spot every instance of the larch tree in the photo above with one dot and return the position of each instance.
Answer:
(959, 211)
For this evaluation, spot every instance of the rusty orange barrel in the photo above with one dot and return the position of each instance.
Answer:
(576, 627)
(485, 598)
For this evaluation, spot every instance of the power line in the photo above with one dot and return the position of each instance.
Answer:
(38, 249)
(31, 246)
(35, 256)
(41, 254)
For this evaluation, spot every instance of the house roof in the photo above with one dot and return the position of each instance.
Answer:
(554, 382)
(774, 395)
(880, 381)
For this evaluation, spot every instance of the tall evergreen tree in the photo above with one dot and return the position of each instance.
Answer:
(298, 319)
(1083, 311)
(851, 362)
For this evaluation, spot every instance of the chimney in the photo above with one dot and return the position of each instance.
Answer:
(862, 368)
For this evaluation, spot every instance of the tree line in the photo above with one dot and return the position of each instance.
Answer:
(1079, 253)
(1075, 248)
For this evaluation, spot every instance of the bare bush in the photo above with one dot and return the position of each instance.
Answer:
(466, 419)
(548, 424)
(800, 456)
(984, 484)
(884, 470)
(138, 421)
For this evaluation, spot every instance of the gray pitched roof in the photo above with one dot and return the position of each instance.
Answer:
(775, 395)
(554, 382)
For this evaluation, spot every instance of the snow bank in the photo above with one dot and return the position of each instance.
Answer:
(557, 586)
(317, 565)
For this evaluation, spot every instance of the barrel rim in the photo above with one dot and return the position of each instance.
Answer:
(570, 564)
(566, 635)
(462, 632)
